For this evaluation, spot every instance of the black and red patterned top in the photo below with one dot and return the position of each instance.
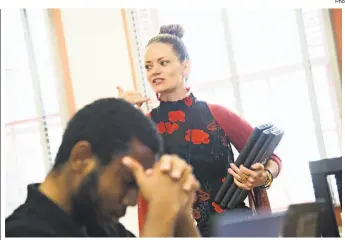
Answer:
(201, 134)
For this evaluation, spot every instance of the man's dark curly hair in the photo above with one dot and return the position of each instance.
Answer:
(109, 125)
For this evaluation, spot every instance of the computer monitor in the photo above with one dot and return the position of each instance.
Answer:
(235, 224)
(300, 220)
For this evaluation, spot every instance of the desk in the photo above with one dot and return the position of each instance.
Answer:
(319, 171)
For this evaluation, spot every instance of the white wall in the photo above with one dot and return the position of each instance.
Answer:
(99, 61)
(97, 52)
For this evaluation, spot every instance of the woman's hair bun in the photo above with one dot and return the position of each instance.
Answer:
(172, 29)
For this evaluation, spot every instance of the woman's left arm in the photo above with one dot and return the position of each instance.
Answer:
(239, 131)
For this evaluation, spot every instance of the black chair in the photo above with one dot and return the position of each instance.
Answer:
(319, 171)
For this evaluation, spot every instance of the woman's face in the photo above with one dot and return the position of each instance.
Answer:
(164, 70)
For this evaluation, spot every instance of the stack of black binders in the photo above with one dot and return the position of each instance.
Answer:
(259, 148)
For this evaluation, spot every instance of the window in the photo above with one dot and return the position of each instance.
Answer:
(204, 38)
(18, 75)
(265, 65)
(33, 120)
(259, 39)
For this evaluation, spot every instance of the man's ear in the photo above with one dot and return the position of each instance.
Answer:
(81, 158)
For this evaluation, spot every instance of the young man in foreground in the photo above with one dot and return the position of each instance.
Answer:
(108, 153)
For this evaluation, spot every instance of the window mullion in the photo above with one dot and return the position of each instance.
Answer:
(232, 63)
(310, 85)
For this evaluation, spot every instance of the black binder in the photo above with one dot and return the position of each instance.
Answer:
(259, 148)
(241, 158)
(267, 151)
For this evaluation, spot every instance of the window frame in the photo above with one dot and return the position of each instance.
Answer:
(306, 64)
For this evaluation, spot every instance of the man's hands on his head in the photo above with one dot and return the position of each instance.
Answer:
(175, 167)
(170, 179)
(169, 188)
(185, 223)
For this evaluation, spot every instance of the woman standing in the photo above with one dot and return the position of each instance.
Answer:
(198, 132)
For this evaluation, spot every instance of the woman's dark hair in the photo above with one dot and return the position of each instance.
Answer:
(172, 34)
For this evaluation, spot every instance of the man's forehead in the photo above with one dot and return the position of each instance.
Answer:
(143, 154)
